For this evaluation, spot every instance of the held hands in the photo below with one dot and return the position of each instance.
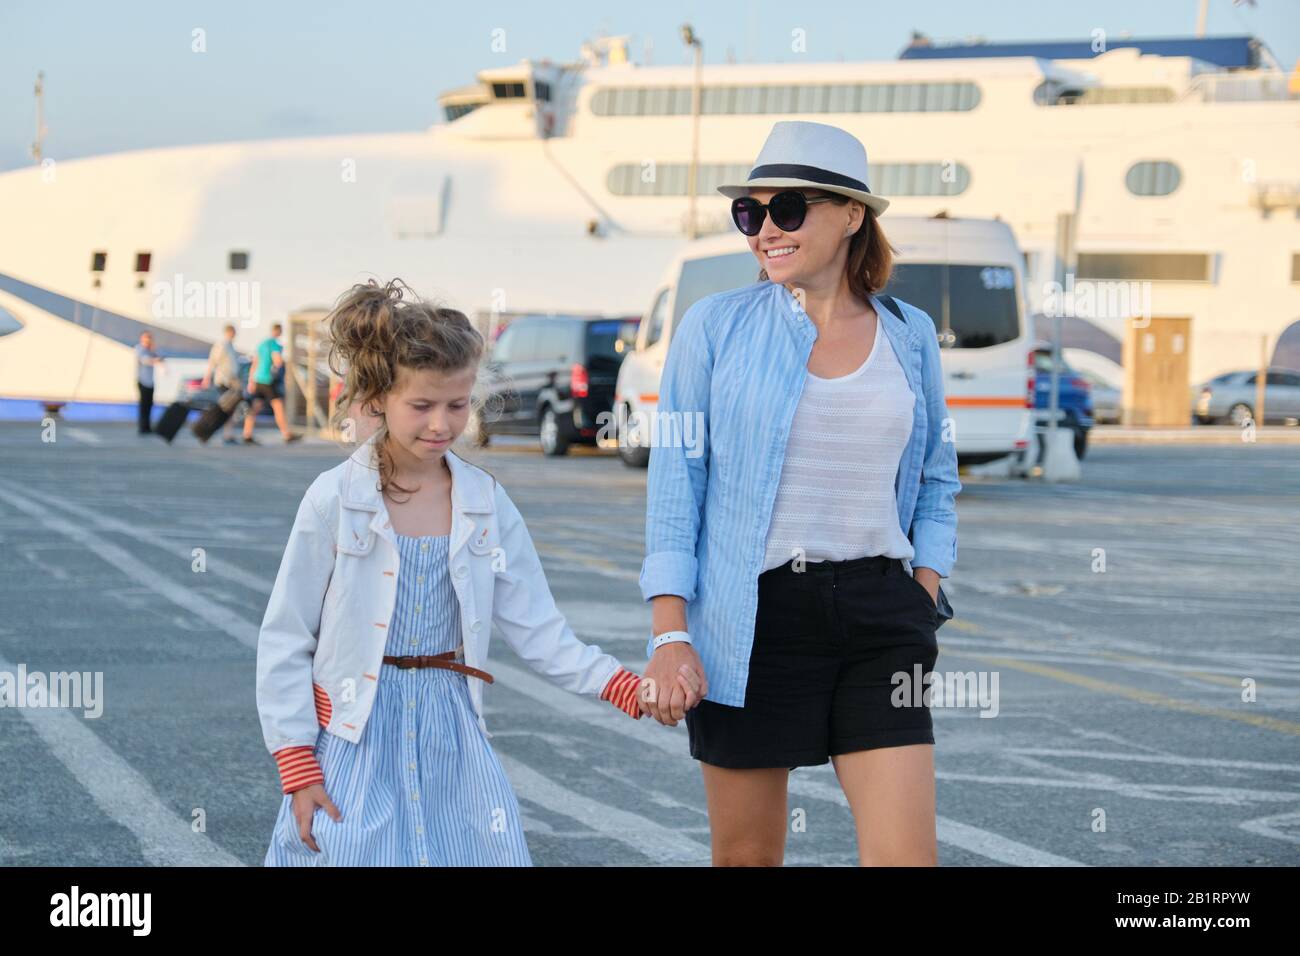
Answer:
(674, 683)
(305, 802)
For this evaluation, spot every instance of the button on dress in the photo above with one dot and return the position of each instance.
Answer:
(422, 787)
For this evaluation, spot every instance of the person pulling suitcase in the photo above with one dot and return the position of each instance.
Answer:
(222, 371)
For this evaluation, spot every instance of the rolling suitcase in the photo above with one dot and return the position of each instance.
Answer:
(172, 420)
(216, 415)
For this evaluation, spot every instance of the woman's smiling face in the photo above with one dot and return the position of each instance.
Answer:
(817, 245)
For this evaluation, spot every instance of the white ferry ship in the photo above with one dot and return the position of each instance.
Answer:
(1168, 164)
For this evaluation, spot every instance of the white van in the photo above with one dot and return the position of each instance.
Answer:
(967, 274)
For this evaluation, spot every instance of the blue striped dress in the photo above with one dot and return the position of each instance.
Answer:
(423, 786)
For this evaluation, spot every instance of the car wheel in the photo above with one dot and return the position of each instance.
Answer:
(633, 455)
(553, 443)
(1240, 413)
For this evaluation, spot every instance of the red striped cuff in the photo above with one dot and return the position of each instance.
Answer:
(298, 768)
(621, 691)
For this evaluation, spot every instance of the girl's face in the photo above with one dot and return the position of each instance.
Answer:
(426, 410)
(818, 247)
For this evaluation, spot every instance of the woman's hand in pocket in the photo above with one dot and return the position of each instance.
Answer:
(305, 802)
(929, 579)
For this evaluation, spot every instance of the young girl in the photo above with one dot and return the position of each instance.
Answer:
(371, 654)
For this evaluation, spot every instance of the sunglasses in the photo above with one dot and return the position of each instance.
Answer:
(787, 209)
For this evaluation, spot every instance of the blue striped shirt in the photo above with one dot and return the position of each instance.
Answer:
(735, 370)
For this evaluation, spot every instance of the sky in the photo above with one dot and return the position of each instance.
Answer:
(123, 76)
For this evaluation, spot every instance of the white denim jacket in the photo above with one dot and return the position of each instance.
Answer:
(323, 635)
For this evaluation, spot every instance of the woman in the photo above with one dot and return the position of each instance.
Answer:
(822, 461)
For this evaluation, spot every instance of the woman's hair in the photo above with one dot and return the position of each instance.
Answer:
(871, 257)
(374, 332)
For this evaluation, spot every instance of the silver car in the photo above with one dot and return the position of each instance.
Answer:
(1230, 398)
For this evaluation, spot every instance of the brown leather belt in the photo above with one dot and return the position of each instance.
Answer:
(445, 660)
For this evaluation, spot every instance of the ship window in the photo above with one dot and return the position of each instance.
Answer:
(628, 102)
(874, 98)
(543, 91)
(749, 99)
(142, 260)
(657, 101)
(238, 261)
(97, 261)
(780, 99)
(717, 99)
(920, 179)
(1145, 266)
(1153, 178)
(888, 179)
(1056, 93)
(909, 97)
(456, 111)
(811, 99)
(1295, 267)
(1126, 94)
(842, 98)
(508, 91)
(953, 96)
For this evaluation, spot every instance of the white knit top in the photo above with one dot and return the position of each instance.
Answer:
(836, 498)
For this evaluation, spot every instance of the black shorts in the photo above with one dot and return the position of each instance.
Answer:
(266, 392)
(828, 643)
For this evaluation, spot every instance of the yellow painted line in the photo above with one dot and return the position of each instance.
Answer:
(579, 558)
(1161, 666)
(1133, 693)
(1222, 679)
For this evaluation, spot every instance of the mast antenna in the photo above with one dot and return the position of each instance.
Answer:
(37, 150)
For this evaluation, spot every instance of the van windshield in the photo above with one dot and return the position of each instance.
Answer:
(703, 277)
(978, 303)
(980, 300)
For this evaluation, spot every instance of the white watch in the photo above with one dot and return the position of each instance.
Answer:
(670, 637)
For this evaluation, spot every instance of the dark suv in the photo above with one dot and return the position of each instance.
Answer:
(552, 376)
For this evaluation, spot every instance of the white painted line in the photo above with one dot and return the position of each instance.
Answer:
(221, 618)
(1172, 759)
(86, 751)
(539, 689)
(117, 789)
(1268, 827)
(650, 839)
(1174, 793)
(83, 435)
(990, 845)
(147, 535)
(672, 740)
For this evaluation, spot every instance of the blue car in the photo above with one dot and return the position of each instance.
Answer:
(1075, 401)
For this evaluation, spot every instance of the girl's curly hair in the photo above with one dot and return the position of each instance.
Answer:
(373, 330)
